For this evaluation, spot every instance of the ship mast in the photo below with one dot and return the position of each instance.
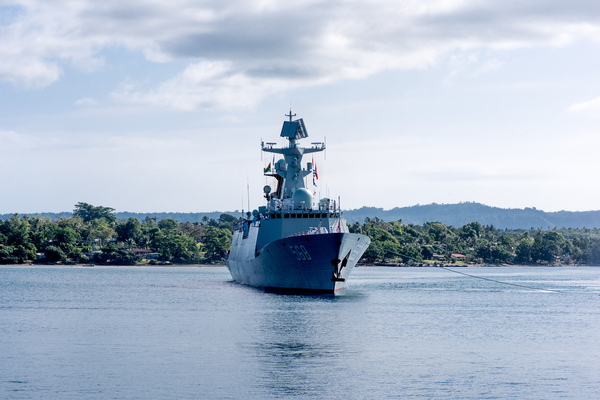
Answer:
(290, 114)
(289, 172)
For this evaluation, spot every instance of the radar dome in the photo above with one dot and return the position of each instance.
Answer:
(302, 199)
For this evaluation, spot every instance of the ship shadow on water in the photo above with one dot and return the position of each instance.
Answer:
(300, 342)
(344, 294)
(298, 292)
(293, 360)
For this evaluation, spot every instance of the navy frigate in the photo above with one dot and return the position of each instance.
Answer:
(294, 242)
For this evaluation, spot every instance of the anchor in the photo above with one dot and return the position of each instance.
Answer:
(338, 266)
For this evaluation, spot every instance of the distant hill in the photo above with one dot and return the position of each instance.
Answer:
(448, 214)
(463, 213)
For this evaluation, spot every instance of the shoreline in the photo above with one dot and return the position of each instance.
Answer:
(358, 266)
(108, 265)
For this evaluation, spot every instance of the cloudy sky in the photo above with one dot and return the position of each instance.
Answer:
(148, 105)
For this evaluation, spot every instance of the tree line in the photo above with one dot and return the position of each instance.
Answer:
(94, 234)
(394, 243)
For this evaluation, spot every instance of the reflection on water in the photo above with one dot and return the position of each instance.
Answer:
(298, 349)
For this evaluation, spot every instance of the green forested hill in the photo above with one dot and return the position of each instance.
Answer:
(449, 214)
(464, 213)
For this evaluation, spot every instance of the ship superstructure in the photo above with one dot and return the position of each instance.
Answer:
(293, 242)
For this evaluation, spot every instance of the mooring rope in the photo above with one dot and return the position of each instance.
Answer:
(470, 275)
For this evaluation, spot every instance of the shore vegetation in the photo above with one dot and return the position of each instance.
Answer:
(394, 243)
(94, 235)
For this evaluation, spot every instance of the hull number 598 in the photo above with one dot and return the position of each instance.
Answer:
(301, 253)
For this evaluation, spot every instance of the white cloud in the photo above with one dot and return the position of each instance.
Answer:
(255, 49)
(31, 73)
(591, 107)
(488, 66)
(86, 102)
(206, 85)
(192, 88)
(12, 141)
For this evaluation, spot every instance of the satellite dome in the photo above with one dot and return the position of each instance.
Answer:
(302, 199)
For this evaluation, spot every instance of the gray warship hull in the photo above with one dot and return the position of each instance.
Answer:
(318, 263)
(293, 242)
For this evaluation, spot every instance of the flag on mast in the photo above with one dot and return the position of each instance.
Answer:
(268, 169)
(315, 176)
(339, 214)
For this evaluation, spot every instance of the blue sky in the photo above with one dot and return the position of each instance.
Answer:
(161, 106)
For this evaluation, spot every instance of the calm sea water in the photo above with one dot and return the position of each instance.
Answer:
(395, 333)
